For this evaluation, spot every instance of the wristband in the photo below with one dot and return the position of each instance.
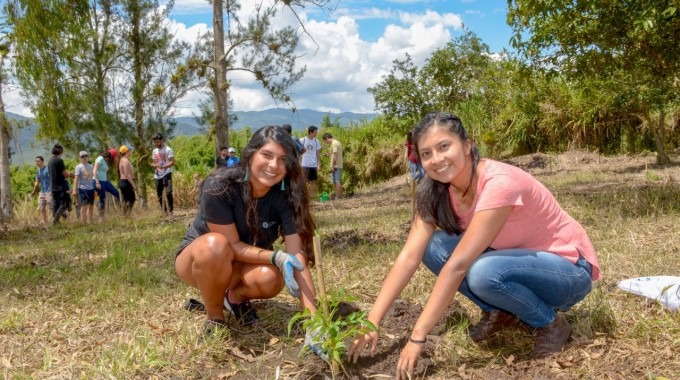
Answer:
(273, 257)
(417, 341)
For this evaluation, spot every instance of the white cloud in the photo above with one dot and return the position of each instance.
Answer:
(344, 65)
(190, 35)
(14, 102)
(473, 12)
(432, 18)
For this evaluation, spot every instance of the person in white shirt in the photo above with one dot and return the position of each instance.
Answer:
(163, 161)
(311, 159)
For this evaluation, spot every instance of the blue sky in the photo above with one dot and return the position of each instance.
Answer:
(487, 18)
(351, 47)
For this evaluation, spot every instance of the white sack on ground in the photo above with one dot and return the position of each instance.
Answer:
(665, 289)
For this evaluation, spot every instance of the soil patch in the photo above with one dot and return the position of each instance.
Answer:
(261, 356)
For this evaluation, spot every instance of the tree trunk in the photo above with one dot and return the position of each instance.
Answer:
(657, 131)
(5, 182)
(138, 101)
(220, 85)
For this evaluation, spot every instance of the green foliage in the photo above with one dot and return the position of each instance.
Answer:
(335, 331)
(631, 46)
(373, 151)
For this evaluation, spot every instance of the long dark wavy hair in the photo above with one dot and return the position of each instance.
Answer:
(295, 186)
(433, 203)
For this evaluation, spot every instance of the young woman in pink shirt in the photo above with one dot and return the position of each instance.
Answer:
(493, 233)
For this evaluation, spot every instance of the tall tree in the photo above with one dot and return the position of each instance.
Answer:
(632, 43)
(162, 71)
(66, 62)
(5, 182)
(256, 46)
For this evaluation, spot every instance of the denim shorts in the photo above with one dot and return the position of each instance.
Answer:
(336, 176)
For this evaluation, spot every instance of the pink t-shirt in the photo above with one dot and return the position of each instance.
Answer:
(536, 221)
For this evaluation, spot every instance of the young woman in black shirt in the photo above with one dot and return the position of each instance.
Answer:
(227, 252)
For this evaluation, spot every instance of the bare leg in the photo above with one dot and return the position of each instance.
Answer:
(255, 281)
(208, 264)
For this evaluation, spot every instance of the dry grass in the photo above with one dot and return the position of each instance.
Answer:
(102, 301)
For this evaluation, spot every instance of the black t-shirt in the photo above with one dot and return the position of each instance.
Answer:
(226, 206)
(221, 162)
(56, 168)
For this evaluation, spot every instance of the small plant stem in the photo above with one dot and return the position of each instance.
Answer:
(319, 273)
(322, 291)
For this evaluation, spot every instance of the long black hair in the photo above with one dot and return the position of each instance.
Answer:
(433, 202)
(294, 183)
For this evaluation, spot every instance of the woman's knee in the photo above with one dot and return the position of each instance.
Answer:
(212, 251)
(266, 279)
(483, 276)
(438, 250)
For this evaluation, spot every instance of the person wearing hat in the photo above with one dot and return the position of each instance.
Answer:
(163, 161)
(126, 181)
(83, 186)
(232, 160)
(101, 179)
(221, 161)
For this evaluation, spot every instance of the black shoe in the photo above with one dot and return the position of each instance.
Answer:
(194, 305)
(244, 312)
(213, 326)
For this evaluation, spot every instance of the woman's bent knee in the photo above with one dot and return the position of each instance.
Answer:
(211, 250)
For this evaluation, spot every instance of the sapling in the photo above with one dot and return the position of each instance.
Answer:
(327, 332)
(333, 332)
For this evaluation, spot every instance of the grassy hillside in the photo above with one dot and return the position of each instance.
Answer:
(111, 308)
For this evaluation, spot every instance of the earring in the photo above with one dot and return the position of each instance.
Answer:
(283, 184)
(245, 176)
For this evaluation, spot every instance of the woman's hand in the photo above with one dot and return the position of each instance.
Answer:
(288, 264)
(360, 343)
(407, 360)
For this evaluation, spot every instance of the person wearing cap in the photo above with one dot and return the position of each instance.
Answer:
(101, 179)
(126, 181)
(221, 161)
(83, 186)
(232, 160)
(163, 161)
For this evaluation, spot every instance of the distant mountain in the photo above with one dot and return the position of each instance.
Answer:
(26, 146)
(299, 120)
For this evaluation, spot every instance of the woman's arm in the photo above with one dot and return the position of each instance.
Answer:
(243, 252)
(304, 277)
(403, 269)
(406, 264)
(76, 179)
(483, 229)
(94, 173)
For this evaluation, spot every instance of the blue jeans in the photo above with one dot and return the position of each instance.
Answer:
(417, 171)
(527, 283)
(107, 187)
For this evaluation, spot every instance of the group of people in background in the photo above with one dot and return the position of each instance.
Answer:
(91, 182)
(308, 151)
